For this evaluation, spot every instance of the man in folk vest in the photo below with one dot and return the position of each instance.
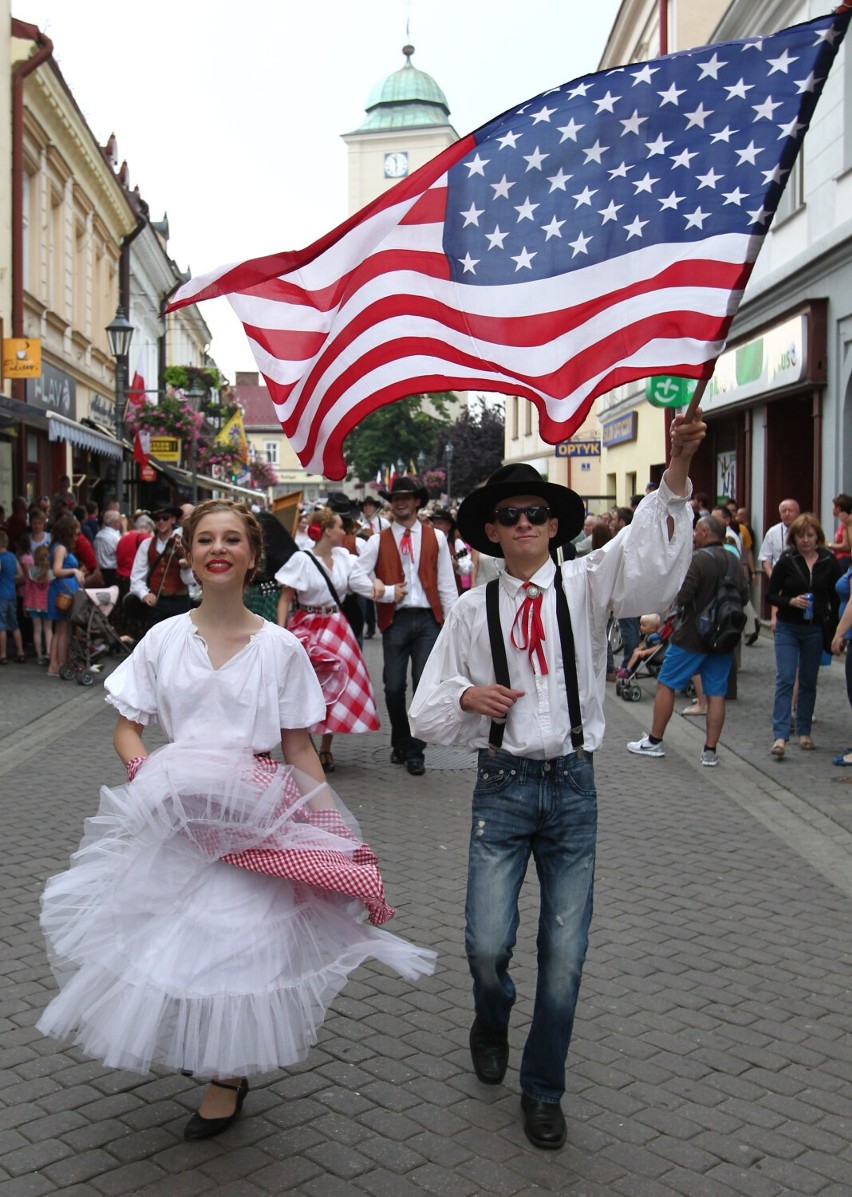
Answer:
(416, 556)
(542, 628)
(159, 577)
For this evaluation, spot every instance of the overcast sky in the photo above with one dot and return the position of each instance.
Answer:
(230, 115)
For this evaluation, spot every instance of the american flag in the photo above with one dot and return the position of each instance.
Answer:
(600, 233)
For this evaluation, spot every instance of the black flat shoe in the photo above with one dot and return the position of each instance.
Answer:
(544, 1123)
(206, 1128)
(416, 766)
(489, 1051)
(397, 756)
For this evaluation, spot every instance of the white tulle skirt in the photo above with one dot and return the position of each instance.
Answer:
(166, 954)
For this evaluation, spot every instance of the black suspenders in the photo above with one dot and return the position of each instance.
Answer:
(569, 661)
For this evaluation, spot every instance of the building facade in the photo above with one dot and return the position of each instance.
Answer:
(779, 406)
(76, 243)
(69, 217)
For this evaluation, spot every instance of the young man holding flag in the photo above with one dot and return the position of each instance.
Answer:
(536, 721)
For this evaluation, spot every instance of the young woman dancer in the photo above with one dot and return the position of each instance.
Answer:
(219, 900)
(314, 583)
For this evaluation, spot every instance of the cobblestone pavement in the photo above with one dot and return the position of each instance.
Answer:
(711, 1055)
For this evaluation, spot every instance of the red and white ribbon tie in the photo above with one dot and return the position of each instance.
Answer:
(530, 626)
(405, 549)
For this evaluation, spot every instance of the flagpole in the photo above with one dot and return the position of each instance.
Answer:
(698, 395)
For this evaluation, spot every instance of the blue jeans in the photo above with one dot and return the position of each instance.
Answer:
(630, 637)
(409, 639)
(797, 646)
(547, 809)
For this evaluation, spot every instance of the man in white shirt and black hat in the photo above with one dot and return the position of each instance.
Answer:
(536, 732)
(413, 560)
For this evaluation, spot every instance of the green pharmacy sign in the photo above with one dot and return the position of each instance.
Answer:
(664, 390)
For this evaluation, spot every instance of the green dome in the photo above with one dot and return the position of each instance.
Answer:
(406, 99)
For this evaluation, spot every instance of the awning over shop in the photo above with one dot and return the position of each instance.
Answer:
(203, 482)
(60, 428)
(12, 411)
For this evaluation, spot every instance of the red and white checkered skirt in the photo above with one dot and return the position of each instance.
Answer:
(354, 709)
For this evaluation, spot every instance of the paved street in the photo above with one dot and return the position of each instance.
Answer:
(712, 1052)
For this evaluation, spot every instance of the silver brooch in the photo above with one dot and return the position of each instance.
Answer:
(533, 591)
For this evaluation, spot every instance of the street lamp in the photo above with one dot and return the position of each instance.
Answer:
(449, 452)
(194, 397)
(120, 334)
(421, 463)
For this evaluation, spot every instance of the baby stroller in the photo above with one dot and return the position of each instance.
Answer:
(628, 687)
(92, 634)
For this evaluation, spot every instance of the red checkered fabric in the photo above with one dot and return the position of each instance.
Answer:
(356, 875)
(354, 710)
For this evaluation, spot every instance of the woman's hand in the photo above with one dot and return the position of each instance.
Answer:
(799, 601)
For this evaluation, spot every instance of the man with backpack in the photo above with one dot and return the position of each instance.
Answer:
(711, 605)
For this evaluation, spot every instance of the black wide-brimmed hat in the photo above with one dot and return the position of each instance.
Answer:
(164, 503)
(444, 515)
(372, 499)
(341, 504)
(406, 486)
(506, 483)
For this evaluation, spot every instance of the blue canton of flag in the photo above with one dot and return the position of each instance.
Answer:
(693, 145)
(599, 234)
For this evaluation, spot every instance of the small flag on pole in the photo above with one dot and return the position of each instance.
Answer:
(234, 434)
(142, 447)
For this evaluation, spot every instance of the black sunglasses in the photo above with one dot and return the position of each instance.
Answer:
(539, 513)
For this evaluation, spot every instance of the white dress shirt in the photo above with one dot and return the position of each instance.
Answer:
(774, 543)
(105, 545)
(375, 523)
(640, 569)
(415, 595)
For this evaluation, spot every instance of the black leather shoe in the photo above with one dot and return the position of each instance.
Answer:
(416, 766)
(206, 1128)
(397, 756)
(544, 1122)
(489, 1050)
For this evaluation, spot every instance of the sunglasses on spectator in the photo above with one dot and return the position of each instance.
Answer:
(539, 513)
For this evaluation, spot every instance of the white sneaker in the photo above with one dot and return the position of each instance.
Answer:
(644, 747)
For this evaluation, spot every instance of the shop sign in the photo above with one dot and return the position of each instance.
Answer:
(775, 359)
(102, 410)
(54, 391)
(578, 448)
(21, 357)
(165, 448)
(147, 473)
(621, 430)
(665, 390)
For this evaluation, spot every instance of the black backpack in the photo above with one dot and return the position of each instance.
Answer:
(720, 623)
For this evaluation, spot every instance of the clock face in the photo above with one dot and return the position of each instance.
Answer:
(396, 165)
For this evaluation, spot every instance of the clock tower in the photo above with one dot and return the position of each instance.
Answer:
(406, 124)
